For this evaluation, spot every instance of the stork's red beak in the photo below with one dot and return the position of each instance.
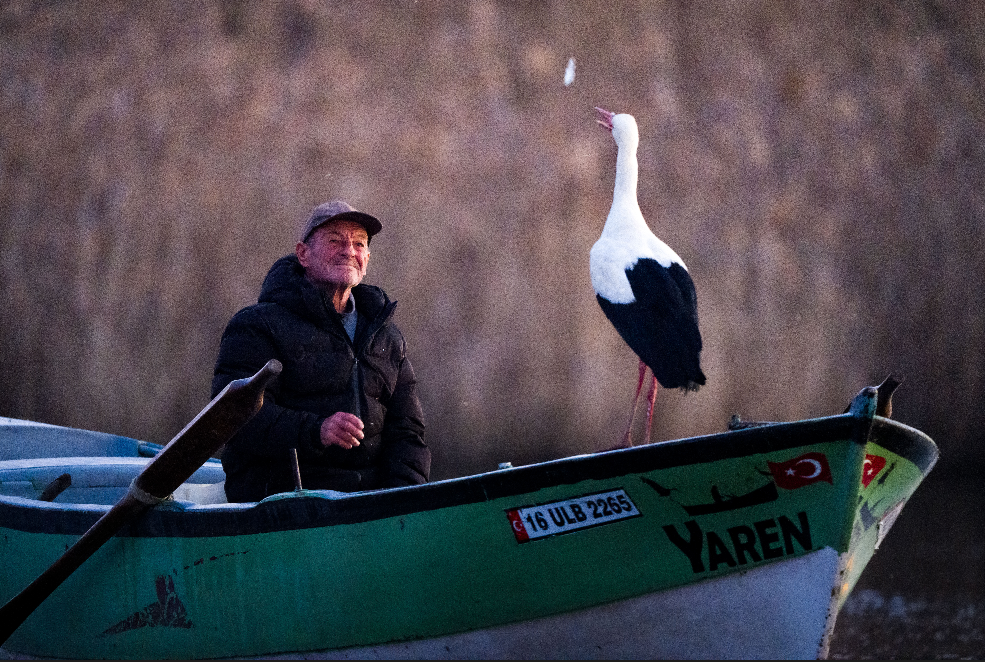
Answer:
(604, 117)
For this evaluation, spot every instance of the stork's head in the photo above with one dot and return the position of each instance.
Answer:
(604, 117)
(622, 126)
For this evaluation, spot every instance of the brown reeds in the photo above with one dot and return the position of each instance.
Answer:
(817, 165)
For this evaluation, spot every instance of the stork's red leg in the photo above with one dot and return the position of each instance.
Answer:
(627, 438)
(651, 398)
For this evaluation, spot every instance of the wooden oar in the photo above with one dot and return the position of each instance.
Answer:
(56, 487)
(176, 462)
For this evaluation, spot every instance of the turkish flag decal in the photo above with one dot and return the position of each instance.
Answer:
(804, 470)
(516, 522)
(871, 468)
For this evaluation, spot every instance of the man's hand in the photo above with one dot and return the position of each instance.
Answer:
(341, 429)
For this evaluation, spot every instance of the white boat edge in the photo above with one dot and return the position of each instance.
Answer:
(778, 611)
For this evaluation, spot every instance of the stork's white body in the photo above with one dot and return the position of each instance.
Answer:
(626, 237)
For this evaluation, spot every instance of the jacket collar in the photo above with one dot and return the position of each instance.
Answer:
(287, 286)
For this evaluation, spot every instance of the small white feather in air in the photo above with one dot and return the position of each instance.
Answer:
(569, 72)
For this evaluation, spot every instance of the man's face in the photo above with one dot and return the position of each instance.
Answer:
(335, 255)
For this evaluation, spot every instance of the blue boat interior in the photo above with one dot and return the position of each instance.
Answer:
(101, 480)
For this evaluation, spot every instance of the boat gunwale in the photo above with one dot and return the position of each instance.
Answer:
(318, 508)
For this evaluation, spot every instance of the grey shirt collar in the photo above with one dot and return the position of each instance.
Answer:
(350, 317)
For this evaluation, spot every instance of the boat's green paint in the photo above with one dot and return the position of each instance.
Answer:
(878, 504)
(443, 570)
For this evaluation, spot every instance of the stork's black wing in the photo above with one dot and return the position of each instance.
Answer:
(661, 326)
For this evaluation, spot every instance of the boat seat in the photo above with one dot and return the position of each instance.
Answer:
(102, 480)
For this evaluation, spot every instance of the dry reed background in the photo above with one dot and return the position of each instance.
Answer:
(818, 166)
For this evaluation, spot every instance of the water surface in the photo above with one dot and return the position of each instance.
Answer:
(923, 594)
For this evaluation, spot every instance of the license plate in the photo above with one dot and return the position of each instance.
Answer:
(583, 512)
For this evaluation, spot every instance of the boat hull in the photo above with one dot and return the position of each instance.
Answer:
(715, 551)
(758, 614)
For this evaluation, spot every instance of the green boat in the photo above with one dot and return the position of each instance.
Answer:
(743, 544)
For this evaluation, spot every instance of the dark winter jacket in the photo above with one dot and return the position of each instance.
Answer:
(293, 323)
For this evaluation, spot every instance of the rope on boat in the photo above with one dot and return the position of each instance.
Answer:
(142, 496)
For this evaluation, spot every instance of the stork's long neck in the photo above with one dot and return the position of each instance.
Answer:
(627, 176)
(625, 214)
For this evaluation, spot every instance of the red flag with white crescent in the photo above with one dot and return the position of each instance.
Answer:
(871, 468)
(519, 530)
(805, 469)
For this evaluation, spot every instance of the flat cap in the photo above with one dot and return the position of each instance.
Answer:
(339, 210)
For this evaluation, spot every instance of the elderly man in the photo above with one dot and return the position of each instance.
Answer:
(345, 399)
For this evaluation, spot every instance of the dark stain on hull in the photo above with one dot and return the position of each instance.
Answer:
(169, 611)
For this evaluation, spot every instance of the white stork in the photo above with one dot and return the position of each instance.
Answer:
(642, 284)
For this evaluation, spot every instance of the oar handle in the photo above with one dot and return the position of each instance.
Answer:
(206, 433)
(176, 462)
